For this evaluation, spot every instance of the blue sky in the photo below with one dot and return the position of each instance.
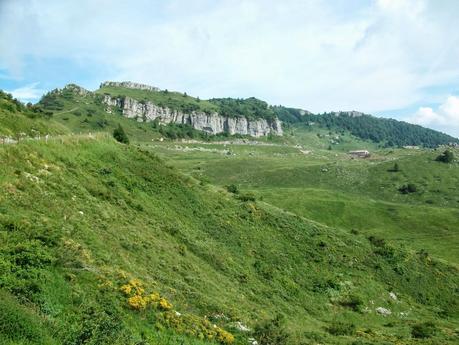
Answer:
(393, 58)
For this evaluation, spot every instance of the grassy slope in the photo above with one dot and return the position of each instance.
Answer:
(84, 114)
(14, 121)
(99, 208)
(353, 194)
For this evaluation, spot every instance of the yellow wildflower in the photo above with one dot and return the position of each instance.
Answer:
(137, 302)
(164, 304)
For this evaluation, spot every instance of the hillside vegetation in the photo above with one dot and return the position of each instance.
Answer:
(388, 132)
(385, 132)
(331, 188)
(18, 120)
(222, 240)
(90, 228)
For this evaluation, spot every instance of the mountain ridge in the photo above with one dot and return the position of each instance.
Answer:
(230, 116)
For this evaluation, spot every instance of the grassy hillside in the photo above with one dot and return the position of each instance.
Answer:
(17, 120)
(79, 220)
(333, 189)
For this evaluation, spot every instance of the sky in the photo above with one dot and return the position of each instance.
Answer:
(391, 58)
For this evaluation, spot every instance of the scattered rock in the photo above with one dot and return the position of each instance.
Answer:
(241, 327)
(383, 311)
(253, 341)
(393, 296)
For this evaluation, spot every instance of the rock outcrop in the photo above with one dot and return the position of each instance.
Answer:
(212, 123)
(129, 85)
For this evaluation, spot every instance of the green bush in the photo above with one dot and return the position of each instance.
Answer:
(341, 328)
(395, 168)
(272, 332)
(120, 135)
(19, 323)
(354, 302)
(232, 188)
(446, 157)
(423, 330)
(408, 188)
(247, 197)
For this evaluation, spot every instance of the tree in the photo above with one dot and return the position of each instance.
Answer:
(120, 135)
(446, 157)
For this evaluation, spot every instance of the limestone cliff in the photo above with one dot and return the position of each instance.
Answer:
(212, 123)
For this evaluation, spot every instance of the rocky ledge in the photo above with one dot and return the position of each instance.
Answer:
(212, 123)
(129, 85)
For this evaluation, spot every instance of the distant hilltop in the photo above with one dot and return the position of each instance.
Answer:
(129, 85)
(249, 116)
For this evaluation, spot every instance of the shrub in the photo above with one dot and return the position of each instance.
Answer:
(99, 326)
(247, 197)
(354, 302)
(120, 135)
(423, 330)
(164, 304)
(377, 241)
(232, 188)
(395, 168)
(272, 332)
(102, 123)
(446, 157)
(341, 328)
(408, 188)
(20, 323)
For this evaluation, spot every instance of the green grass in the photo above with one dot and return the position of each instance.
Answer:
(309, 234)
(171, 99)
(76, 214)
(16, 121)
(329, 187)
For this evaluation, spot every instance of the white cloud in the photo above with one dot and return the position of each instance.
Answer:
(28, 93)
(445, 118)
(318, 55)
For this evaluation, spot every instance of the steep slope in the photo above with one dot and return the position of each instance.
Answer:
(79, 220)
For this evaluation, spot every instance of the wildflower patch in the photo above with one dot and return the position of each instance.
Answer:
(188, 324)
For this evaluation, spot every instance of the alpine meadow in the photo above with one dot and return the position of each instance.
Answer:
(136, 215)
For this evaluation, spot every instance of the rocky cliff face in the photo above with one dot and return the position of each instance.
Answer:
(211, 123)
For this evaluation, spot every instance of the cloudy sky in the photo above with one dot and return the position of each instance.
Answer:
(393, 58)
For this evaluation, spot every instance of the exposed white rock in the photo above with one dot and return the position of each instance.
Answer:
(241, 327)
(129, 85)
(76, 89)
(212, 123)
(252, 341)
(393, 296)
(383, 311)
